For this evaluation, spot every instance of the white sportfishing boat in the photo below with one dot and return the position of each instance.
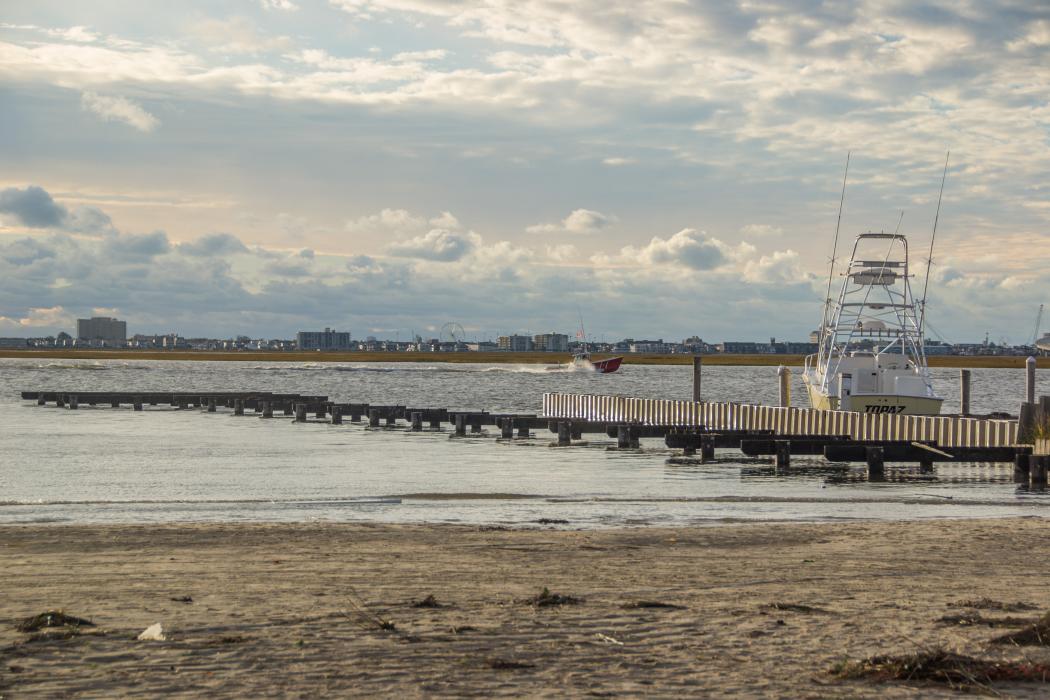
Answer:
(872, 358)
(872, 355)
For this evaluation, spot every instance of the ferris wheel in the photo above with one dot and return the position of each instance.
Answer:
(452, 332)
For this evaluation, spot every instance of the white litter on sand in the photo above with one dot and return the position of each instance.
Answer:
(153, 633)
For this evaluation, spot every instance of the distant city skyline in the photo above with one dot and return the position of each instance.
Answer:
(386, 166)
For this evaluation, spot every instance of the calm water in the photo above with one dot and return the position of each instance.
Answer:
(107, 465)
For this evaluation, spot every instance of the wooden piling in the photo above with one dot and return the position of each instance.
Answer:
(964, 392)
(391, 420)
(1026, 422)
(784, 380)
(300, 413)
(60, 401)
(136, 403)
(1021, 468)
(707, 449)
(523, 431)
(337, 415)
(74, 402)
(875, 461)
(417, 421)
(373, 418)
(435, 423)
(625, 437)
(1029, 370)
(267, 409)
(564, 434)
(1037, 468)
(461, 425)
(782, 458)
(238, 407)
(322, 412)
(40, 400)
(211, 405)
(475, 424)
(698, 363)
(507, 428)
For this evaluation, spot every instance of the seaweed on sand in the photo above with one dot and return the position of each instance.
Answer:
(941, 666)
(990, 604)
(52, 618)
(546, 599)
(652, 605)
(1037, 634)
(429, 602)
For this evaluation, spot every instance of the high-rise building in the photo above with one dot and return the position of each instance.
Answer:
(551, 342)
(102, 328)
(323, 340)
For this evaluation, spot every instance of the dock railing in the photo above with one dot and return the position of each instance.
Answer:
(947, 431)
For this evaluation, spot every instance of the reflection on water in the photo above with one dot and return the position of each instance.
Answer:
(116, 465)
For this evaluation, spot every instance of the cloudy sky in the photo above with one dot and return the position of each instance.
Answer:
(668, 168)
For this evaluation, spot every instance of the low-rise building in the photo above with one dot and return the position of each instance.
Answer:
(515, 343)
(551, 342)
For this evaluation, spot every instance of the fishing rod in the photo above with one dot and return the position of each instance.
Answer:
(933, 237)
(834, 252)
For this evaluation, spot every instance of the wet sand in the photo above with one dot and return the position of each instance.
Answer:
(299, 610)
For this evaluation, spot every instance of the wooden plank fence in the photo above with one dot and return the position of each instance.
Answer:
(947, 431)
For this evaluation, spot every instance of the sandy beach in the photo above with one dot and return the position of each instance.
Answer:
(332, 609)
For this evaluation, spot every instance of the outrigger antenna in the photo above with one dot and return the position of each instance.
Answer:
(834, 252)
(929, 259)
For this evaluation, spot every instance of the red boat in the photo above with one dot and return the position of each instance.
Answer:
(607, 366)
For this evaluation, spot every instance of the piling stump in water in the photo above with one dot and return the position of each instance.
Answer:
(136, 403)
(373, 418)
(507, 428)
(523, 430)
(625, 437)
(435, 424)
(1037, 468)
(876, 461)
(300, 413)
(475, 425)
(287, 408)
(40, 400)
(321, 413)
(417, 421)
(211, 405)
(461, 425)
(707, 449)
(238, 407)
(267, 409)
(564, 434)
(1021, 468)
(59, 401)
(74, 402)
(782, 458)
(337, 416)
(391, 420)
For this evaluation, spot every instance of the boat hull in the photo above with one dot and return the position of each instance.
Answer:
(890, 404)
(607, 366)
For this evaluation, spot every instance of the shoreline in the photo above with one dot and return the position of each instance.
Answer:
(548, 358)
(335, 609)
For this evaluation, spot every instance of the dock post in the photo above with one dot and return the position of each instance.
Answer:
(60, 401)
(784, 375)
(74, 402)
(461, 425)
(564, 434)
(288, 408)
(115, 403)
(523, 430)
(698, 363)
(475, 424)
(1029, 370)
(707, 449)
(1021, 467)
(506, 426)
(417, 421)
(876, 462)
(623, 437)
(782, 458)
(435, 424)
(391, 420)
(964, 392)
(211, 405)
(136, 403)
(1037, 465)
(355, 415)
(267, 409)
(238, 407)
(373, 418)
(40, 400)
(182, 404)
(337, 415)
(1026, 422)
(300, 413)
(575, 432)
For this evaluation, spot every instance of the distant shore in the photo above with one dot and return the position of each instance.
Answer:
(375, 610)
(515, 358)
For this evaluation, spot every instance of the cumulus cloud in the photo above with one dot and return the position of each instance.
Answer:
(36, 319)
(688, 247)
(32, 207)
(134, 246)
(213, 244)
(118, 109)
(387, 220)
(285, 5)
(579, 221)
(440, 245)
(760, 230)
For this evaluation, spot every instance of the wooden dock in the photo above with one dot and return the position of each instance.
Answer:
(695, 427)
